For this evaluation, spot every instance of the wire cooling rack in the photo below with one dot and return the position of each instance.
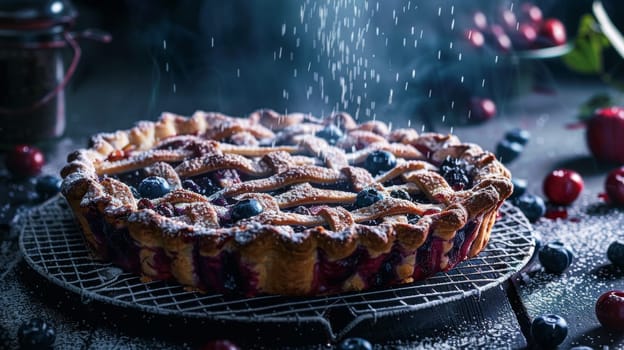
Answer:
(52, 245)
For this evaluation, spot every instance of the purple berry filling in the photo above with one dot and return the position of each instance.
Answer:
(96, 224)
(463, 239)
(145, 203)
(166, 209)
(339, 186)
(131, 178)
(330, 275)
(201, 184)
(386, 273)
(225, 177)
(368, 270)
(226, 274)
(174, 145)
(161, 264)
(114, 244)
(429, 255)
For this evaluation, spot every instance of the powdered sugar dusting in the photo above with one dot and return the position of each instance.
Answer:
(591, 226)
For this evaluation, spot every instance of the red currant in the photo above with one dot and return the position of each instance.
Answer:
(480, 20)
(553, 32)
(482, 109)
(610, 310)
(524, 37)
(531, 13)
(116, 155)
(563, 186)
(499, 38)
(614, 185)
(24, 160)
(508, 18)
(475, 38)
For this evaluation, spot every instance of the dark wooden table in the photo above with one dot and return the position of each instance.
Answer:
(498, 318)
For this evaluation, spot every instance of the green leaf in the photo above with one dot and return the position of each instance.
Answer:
(586, 56)
(587, 109)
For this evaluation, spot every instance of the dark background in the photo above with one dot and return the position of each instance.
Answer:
(127, 80)
(212, 55)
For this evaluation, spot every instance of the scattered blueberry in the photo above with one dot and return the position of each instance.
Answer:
(379, 161)
(520, 186)
(48, 185)
(400, 194)
(355, 344)
(518, 135)
(532, 206)
(549, 330)
(454, 172)
(330, 133)
(367, 196)
(507, 151)
(36, 334)
(555, 257)
(154, 187)
(246, 209)
(581, 347)
(615, 253)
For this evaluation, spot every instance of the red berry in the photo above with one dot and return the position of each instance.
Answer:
(605, 134)
(475, 37)
(610, 310)
(563, 186)
(24, 160)
(219, 345)
(556, 212)
(499, 38)
(480, 20)
(553, 33)
(482, 109)
(116, 155)
(508, 19)
(525, 36)
(531, 13)
(614, 185)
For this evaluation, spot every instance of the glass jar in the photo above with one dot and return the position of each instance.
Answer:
(33, 38)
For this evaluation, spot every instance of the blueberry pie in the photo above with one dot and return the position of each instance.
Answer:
(283, 204)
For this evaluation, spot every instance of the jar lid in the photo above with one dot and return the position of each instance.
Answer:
(36, 14)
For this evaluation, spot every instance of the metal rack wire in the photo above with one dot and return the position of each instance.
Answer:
(53, 246)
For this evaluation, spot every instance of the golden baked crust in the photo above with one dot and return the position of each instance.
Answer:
(310, 238)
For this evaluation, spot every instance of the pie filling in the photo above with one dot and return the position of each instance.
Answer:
(227, 273)
(314, 206)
